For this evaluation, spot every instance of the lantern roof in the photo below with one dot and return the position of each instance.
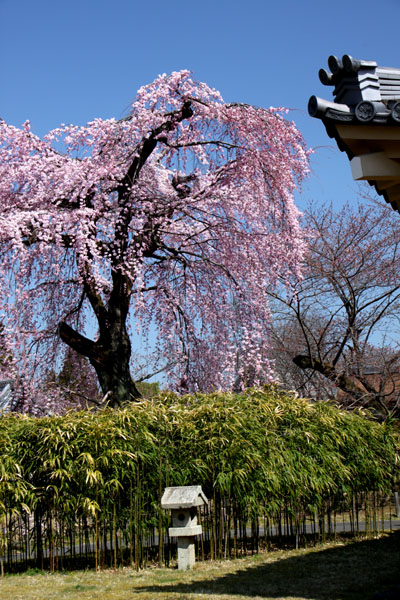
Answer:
(186, 496)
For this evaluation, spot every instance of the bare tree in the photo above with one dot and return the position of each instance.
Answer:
(337, 329)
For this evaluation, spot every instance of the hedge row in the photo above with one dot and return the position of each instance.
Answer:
(256, 452)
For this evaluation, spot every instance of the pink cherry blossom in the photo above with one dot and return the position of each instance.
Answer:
(176, 217)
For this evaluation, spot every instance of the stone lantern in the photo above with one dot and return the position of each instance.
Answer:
(183, 502)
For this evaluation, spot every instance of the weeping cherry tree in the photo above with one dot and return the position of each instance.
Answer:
(175, 217)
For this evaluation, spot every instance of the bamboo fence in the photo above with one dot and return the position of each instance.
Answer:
(84, 489)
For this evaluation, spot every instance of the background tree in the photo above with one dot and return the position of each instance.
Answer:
(341, 320)
(161, 220)
(75, 385)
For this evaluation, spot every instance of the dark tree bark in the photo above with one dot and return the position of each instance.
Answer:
(109, 355)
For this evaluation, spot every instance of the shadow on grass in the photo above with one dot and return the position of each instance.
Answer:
(355, 571)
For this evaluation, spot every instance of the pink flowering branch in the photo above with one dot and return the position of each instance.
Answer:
(176, 218)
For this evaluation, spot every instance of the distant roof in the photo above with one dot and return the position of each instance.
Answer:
(364, 119)
(6, 388)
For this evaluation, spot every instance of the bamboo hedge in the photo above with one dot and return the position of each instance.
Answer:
(88, 484)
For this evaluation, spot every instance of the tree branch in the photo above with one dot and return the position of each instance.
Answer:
(75, 340)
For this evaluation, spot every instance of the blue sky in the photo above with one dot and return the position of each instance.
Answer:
(71, 61)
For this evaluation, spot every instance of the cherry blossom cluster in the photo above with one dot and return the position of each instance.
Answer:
(188, 201)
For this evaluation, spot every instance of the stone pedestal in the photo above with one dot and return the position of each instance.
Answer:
(186, 554)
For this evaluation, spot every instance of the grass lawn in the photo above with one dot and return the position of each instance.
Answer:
(351, 571)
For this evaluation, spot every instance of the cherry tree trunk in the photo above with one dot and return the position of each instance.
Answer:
(109, 356)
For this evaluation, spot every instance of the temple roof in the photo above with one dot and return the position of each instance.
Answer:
(364, 119)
